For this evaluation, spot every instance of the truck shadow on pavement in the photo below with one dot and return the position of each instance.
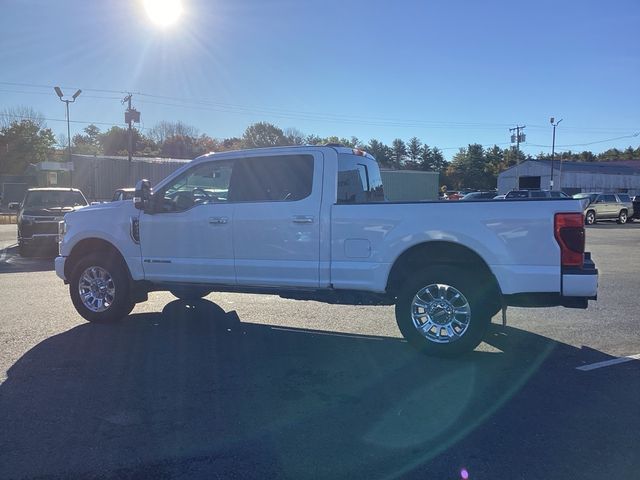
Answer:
(12, 262)
(194, 392)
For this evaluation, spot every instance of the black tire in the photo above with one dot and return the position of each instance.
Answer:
(590, 217)
(622, 217)
(190, 294)
(480, 301)
(121, 305)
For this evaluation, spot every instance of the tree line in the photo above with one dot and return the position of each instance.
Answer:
(25, 139)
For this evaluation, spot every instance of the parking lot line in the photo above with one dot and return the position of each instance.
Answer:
(608, 363)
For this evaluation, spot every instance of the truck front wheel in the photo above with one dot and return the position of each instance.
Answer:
(99, 288)
(441, 311)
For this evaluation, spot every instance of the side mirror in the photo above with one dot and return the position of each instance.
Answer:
(142, 195)
(14, 206)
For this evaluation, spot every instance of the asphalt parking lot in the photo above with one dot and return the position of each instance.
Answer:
(250, 386)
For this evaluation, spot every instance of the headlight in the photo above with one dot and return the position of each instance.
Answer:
(62, 229)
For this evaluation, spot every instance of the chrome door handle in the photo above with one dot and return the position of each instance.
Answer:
(303, 219)
(218, 220)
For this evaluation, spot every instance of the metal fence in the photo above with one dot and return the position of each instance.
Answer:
(98, 177)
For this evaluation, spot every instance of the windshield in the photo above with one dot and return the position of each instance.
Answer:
(54, 198)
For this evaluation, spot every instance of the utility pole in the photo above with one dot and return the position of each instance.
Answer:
(130, 115)
(517, 138)
(553, 151)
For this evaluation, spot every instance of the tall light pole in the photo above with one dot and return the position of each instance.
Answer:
(67, 102)
(553, 149)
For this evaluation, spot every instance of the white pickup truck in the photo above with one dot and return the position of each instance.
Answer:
(312, 223)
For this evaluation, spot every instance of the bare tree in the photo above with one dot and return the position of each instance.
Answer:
(19, 113)
(164, 130)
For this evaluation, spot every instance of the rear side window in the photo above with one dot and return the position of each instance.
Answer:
(538, 194)
(517, 194)
(268, 179)
(359, 180)
(624, 197)
(608, 198)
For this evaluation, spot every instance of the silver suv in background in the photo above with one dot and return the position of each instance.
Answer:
(606, 206)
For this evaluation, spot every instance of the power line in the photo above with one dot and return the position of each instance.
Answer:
(207, 104)
(84, 122)
(588, 143)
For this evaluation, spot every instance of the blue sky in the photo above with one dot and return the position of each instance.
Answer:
(449, 72)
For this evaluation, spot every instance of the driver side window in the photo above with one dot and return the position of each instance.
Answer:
(202, 184)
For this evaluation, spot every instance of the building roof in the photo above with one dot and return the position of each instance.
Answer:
(630, 167)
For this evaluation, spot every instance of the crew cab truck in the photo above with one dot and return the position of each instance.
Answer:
(312, 223)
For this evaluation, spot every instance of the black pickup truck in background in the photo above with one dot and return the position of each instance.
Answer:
(38, 217)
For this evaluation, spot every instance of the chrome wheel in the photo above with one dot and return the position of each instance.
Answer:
(97, 289)
(440, 313)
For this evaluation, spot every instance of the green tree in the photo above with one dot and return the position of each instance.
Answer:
(399, 152)
(414, 150)
(89, 143)
(115, 141)
(439, 162)
(263, 134)
(22, 143)
(381, 152)
(469, 169)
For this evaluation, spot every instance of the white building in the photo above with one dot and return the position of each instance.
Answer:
(573, 177)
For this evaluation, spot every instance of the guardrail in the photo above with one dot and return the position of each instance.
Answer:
(8, 218)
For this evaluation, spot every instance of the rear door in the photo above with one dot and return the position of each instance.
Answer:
(276, 225)
(611, 205)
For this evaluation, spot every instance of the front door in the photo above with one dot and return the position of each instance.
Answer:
(276, 223)
(187, 237)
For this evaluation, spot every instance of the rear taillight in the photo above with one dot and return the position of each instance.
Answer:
(569, 233)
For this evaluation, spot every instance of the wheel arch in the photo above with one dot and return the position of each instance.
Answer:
(92, 245)
(438, 252)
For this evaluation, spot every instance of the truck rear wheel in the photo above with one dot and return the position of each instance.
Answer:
(99, 288)
(441, 311)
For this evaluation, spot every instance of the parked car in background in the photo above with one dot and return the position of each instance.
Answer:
(499, 197)
(123, 194)
(605, 206)
(480, 196)
(450, 195)
(455, 195)
(39, 214)
(515, 194)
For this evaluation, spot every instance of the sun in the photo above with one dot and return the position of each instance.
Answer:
(163, 12)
